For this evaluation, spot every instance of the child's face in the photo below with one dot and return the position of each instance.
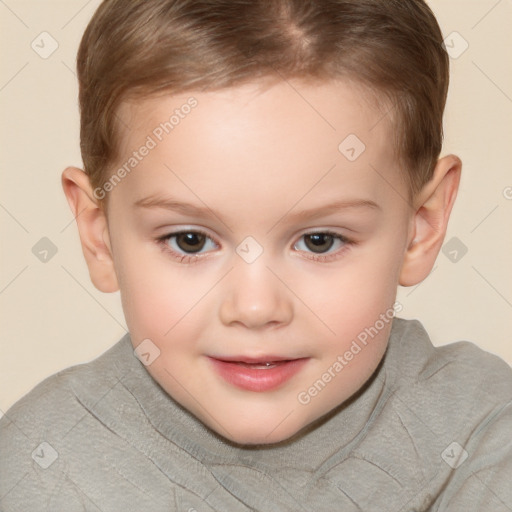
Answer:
(244, 167)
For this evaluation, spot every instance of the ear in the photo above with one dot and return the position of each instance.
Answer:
(433, 205)
(92, 227)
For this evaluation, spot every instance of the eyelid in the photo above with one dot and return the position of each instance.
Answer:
(188, 229)
(326, 231)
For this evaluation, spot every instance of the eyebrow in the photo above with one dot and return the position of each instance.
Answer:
(205, 212)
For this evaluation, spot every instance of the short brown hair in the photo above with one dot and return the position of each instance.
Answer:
(140, 48)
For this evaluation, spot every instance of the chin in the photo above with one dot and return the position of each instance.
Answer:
(258, 434)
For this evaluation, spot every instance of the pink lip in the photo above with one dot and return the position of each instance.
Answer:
(235, 371)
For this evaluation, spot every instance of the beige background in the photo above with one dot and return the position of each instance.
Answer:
(52, 316)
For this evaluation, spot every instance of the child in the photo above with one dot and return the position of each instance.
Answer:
(259, 178)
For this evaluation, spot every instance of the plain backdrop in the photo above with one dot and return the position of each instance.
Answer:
(52, 316)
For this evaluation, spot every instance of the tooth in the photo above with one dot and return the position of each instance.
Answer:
(264, 365)
(259, 366)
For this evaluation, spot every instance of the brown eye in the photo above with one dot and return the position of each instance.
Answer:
(322, 246)
(319, 242)
(187, 246)
(190, 241)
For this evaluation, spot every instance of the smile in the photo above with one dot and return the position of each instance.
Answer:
(257, 375)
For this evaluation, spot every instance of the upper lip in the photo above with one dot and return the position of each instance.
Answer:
(256, 359)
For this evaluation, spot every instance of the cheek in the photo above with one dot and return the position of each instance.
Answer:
(153, 301)
(163, 303)
(353, 296)
(355, 304)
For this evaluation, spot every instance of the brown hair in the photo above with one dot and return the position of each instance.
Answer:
(140, 48)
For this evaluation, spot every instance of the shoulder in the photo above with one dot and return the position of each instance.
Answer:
(55, 404)
(460, 369)
(452, 405)
(33, 431)
(476, 387)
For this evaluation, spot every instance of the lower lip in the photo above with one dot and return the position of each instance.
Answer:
(257, 379)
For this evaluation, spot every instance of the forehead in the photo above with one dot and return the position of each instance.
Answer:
(333, 105)
(258, 137)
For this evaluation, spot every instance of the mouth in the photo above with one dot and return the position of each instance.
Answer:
(257, 374)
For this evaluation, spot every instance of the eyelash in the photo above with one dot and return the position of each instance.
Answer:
(190, 258)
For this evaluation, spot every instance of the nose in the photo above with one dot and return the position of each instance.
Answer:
(254, 297)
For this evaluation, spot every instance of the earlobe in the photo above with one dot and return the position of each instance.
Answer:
(433, 206)
(92, 227)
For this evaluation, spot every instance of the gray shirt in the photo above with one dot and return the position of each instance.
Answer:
(430, 431)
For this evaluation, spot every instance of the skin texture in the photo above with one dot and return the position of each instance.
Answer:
(256, 156)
